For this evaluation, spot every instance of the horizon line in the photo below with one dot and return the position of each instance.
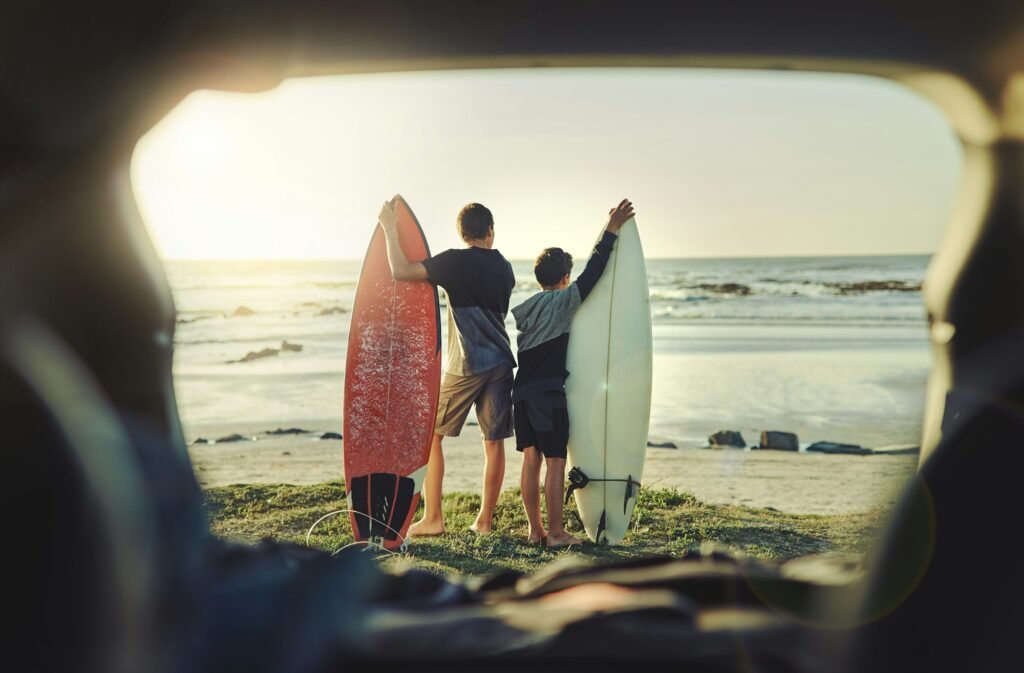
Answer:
(529, 259)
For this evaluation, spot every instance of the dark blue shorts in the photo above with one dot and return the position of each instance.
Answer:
(542, 421)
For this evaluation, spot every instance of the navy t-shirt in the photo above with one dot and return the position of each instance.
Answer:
(478, 282)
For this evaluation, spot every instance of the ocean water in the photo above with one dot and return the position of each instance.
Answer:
(832, 348)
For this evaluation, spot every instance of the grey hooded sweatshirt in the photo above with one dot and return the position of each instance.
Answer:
(543, 323)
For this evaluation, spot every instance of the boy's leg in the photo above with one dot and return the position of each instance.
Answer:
(529, 480)
(432, 522)
(549, 418)
(454, 402)
(554, 491)
(494, 415)
(494, 475)
(529, 483)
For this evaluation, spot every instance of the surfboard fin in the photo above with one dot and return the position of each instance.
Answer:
(600, 528)
(629, 493)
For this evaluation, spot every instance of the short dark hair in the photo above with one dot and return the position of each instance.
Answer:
(551, 266)
(474, 222)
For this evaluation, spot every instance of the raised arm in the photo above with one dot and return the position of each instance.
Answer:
(401, 268)
(602, 252)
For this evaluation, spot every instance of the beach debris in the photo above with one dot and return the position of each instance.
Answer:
(231, 438)
(331, 310)
(331, 435)
(294, 348)
(287, 431)
(779, 441)
(836, 447)
(243, 310)
(727, 438)
(661, 445)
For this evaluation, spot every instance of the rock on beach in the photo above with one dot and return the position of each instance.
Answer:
(779, 441)
(728, 438)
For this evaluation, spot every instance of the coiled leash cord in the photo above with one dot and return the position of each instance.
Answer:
(371, 543)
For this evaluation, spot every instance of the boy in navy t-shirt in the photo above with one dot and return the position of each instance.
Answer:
(478, 281)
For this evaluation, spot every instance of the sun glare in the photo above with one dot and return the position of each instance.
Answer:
(718, 163)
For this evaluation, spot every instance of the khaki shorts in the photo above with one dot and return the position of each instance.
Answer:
(492, 394)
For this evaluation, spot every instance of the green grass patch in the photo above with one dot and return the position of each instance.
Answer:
(665, 523)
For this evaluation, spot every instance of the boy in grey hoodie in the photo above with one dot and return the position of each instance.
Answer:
(538, 393)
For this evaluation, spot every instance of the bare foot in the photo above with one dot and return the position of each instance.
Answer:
(479, 528)
(423, 528)
(562, 539)
(537, 537)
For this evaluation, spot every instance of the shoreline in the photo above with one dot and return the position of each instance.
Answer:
(792, 482)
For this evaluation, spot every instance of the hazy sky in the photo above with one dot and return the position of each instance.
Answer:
(717, 163)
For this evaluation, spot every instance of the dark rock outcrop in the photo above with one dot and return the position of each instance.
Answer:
(730, 438)
(287, 431)
(330, 435)
(231, 438)
(256, 355)
(875, 286)
(662, 445)
(293, 348)
(896, 450)
(779, 441)
(725, 288)
(835, 447)
(332, 310)
(186, 321)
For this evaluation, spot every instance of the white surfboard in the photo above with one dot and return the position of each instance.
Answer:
(609, 390)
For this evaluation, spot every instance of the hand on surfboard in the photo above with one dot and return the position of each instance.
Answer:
(618, 216)
(401, 267)
(388, 217)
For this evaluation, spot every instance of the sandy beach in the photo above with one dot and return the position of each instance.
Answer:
(797, 483)
(809, 346)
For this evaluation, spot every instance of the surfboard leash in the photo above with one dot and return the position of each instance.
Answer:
(579, 479)
(402, 548)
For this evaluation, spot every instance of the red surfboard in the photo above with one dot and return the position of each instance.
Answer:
(392, 380)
